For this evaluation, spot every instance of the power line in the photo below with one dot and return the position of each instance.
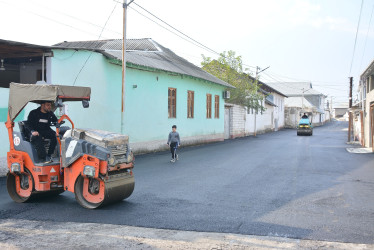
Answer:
(354, 46)
(367, 34)
(213, 51)
(89, 56)
(76, 18)
(303, 80)
(53, 20)
(191, 40)
(165, 27)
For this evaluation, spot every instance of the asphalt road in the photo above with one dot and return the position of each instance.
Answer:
(277, 184)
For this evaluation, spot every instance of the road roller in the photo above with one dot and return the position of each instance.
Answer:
(95, 165)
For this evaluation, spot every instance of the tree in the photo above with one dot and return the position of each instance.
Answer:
(229, 68)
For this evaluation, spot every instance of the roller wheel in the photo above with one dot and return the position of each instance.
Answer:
(89, 192)
(20, 186)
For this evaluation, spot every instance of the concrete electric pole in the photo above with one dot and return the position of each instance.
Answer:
(258, 71)
(349, 110)
(124, 5)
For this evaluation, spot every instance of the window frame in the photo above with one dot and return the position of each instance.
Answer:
(172, 114)
(190, 104)
(216, 106)
(209, 106)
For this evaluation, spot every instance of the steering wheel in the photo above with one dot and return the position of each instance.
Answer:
(57, 124)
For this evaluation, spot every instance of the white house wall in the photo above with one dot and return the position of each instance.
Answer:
(242, 124)
(369, 99)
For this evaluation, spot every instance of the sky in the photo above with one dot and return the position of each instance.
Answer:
(301, 40)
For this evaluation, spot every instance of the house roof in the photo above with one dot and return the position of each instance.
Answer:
(266, 87)
(368, 71)
(12, 50)
(294, 88)
(147, 53)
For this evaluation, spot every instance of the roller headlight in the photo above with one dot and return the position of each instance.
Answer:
(15, 167)
(89, 171)
(130, 158)
(111, 160)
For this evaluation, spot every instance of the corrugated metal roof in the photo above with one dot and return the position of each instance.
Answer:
(112, 44)
(147, 53)
(294, 88)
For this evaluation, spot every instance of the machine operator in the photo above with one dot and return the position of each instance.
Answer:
(39, 122)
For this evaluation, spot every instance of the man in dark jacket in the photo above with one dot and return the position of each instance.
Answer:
(39, 122)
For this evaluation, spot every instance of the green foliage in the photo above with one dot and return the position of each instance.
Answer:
(229, 68)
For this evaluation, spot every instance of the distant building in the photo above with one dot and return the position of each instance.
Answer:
(241, 121)
(340, 111)
(302, 98)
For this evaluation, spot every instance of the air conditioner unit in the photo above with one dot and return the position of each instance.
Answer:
(226, 94)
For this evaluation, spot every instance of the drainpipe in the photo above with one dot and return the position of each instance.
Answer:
(43, 58)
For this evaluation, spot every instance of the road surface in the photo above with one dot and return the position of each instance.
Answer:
(276, 184)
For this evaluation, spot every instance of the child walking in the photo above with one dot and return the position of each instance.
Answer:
(174, 142)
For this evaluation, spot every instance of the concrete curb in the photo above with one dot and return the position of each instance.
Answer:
(69, 235)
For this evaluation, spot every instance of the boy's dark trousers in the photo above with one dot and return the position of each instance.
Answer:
(37, 141)
(173, 146)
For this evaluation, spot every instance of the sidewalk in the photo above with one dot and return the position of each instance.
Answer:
(358, 149)
(3, 167)
(15, 234)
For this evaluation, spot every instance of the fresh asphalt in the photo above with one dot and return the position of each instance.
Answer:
(276, 184)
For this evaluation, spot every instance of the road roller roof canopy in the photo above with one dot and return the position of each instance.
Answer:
(21, 94)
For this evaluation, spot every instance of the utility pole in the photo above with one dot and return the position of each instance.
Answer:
(258, 71)
(124, 5)
(254, 127)
(349, 110)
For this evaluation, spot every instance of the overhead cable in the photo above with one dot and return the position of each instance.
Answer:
(89, 56)
(367, 34)
(354, 46)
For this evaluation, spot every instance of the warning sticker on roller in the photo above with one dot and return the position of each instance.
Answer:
(71, 147)
(16, 141)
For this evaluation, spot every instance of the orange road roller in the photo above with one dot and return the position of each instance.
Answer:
(95, 165)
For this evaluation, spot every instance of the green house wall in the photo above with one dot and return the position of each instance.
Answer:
(146, 101)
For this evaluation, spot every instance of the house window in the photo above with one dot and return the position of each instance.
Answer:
(208, 106)
(190, 104)
(172, 103)
(216, 106)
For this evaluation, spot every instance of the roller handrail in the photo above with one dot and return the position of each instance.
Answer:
(63, 117)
